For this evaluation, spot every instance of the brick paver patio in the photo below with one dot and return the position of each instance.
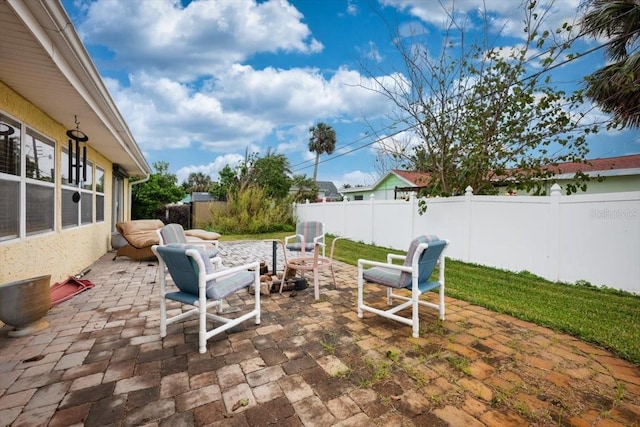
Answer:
(309, 363)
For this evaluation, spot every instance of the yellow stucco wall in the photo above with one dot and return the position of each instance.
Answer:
(60, 253)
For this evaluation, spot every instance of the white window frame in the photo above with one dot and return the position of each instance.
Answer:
(85, 189)
(29, 134)
(99, 195)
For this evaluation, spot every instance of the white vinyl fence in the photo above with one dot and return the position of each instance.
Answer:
(593, 237)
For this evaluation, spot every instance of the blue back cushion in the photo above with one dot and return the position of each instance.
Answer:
(184, 272)
(405, 278)
(183, 269)
(173, 233)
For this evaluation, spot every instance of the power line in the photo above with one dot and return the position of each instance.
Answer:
(526, 78)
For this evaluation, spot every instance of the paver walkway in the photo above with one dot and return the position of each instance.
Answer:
(309, 363)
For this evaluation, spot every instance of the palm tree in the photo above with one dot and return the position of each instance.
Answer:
(198, 182)
(616, 87)
(322, 140)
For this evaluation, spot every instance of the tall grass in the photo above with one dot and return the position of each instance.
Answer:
(249, 211)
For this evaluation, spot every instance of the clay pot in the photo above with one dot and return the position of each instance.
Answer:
(24, 303)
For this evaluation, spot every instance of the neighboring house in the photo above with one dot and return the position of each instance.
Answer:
(49, 225)
(396, 184)
(329, 190)
(619, 174)
(325, 189)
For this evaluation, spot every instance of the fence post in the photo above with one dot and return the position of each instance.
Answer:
(468, 194)
(412, 212)
(554, 233)
(372, 200)
(344, 216)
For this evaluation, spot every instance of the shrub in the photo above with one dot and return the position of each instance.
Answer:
(249, 211)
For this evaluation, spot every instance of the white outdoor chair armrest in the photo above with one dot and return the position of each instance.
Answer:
(363, 262)
(395, 257)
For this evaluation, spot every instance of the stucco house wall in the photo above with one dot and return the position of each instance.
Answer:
(611, 184)
(48, 86)
(63, 252)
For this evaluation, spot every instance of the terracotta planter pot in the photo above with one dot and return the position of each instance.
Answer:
(23, 304)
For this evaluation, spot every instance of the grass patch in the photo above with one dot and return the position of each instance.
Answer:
(608, 318)
(602, 316)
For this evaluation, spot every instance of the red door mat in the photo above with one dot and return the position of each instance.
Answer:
(67, 289)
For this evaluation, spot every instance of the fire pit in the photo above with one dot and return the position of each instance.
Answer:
(24, 303)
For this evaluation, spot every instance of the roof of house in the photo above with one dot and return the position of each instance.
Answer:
(412, 179)
(49, 65)
(609, 166)
(329, 189)
(416, 179)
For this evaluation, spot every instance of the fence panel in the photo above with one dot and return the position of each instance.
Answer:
(594, 237)
(600, 240)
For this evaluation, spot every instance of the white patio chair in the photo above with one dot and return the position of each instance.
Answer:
(203, 287)
(425, 253)
(174, 235)
(308, 234)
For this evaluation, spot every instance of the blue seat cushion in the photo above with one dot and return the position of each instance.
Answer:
(224, 286)
(297, 247)
(383, 276)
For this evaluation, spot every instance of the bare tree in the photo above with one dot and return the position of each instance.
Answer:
(477, 112)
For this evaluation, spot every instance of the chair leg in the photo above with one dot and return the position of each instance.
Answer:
(441, 301)
(202, 329)
(284, 277)
(333, 275)
(360, 291)
(316, 286)
(415, 319)
(163, 317)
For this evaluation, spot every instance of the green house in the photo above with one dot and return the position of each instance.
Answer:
(396, 184)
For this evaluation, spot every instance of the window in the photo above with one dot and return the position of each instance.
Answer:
(40, 188)
(99, 194)
(27, 181)
(76, 213)
(70, 209)
(86, 196)
(10, 144)
(359, 197)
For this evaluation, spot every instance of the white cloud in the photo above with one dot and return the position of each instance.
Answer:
(212, 169)
(240, 107)
(505, 17)
(200, 39)
(352, 8)
(355, 178)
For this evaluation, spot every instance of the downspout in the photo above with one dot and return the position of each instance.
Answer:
(131, 184)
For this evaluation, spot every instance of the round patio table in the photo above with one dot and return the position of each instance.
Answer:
(310, 263)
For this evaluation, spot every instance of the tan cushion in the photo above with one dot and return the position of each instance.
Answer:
(140, 233)
(202, 234)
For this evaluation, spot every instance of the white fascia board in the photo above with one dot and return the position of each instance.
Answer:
(69, 43)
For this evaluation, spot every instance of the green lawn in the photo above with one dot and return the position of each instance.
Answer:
(610, 319)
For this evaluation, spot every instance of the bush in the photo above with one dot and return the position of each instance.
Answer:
(249, 211)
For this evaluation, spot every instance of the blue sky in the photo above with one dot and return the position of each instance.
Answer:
(201, 82)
